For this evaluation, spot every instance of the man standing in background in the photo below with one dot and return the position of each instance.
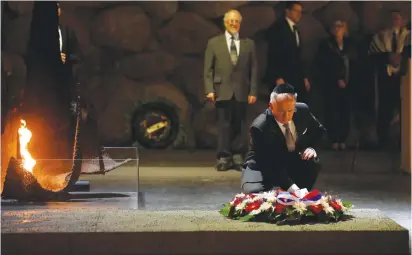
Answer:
(285, 64)
(231, 82)
(94, 160)
(70, 54)
(386, 51)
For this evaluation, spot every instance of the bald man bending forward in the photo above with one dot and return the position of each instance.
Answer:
(272, 161)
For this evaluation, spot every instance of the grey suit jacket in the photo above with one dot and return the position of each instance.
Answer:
(226, 80)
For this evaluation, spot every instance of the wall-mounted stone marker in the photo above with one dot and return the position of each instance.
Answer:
(115, 231)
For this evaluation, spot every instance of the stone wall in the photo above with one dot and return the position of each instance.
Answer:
(139, 52)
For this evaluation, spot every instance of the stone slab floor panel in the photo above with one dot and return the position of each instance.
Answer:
(119, 231)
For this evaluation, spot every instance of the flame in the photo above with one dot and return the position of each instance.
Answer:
(25, 137)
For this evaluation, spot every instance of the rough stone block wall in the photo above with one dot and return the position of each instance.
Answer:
(143, 51)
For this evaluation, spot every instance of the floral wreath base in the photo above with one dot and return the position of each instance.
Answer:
(282, 207)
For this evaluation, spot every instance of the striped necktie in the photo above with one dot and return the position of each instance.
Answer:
(290, 142)
(233, 51)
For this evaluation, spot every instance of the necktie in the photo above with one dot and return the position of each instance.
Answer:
(290, 142)
(233, 51)
(295, 31)
(394, 42)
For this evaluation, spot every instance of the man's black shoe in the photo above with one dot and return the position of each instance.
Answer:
(237, 162)
(223, 164)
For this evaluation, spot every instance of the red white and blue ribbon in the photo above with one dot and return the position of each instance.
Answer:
(311, 198)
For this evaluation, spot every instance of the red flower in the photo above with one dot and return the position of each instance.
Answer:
(336, 206)
(251, 195)
(253, 206)
(237, 201)
(279, 208)
(316, 208)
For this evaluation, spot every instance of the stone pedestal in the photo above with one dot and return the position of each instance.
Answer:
(406, 121)
(110, 231)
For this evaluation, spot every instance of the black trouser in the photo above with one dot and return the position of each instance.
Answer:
(389, 100)
(302, 172)
(232, 137)
(337, 115)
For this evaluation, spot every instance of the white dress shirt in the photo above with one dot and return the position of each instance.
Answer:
(229, 41)
(60, 39)
(291, 24)
(292, 128)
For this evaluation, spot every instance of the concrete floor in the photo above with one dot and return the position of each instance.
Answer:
(183, 181)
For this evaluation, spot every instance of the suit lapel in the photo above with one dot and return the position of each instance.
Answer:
(242, 45)
(223, 44)
(299, 125)
(275, 130)
(292, 35)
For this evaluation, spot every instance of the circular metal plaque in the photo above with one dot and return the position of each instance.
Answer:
(155, 125)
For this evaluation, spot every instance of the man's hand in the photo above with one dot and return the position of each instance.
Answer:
(341, 84)
(307, 84)
(280, 81)
(309, 153)
(211, 97)
(63, 57)
(251, 99)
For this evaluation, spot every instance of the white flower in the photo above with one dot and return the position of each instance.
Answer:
(300, 207)
(266, 206)
(243, 204)
(257, 198)
(324, 199)
(328, 209)
(241, 195)
(255, 212)
(324, 202)
(270, 195)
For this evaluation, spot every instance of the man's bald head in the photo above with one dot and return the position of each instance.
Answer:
(232, 20)
(282, 103)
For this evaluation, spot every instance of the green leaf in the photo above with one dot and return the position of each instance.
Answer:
(337, 214)
(290, 210)
(225, 210)
(347, 204)
(309, 213)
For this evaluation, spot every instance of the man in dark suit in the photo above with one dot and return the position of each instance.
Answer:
(231, 82)
(91, 147)
(285, 64)
(281, 145)
(70, 54)
(386, 50)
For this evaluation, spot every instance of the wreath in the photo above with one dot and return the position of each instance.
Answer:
(278, 206)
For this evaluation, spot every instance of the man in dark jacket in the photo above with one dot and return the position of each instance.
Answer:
(281, 145)
(285, 63)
